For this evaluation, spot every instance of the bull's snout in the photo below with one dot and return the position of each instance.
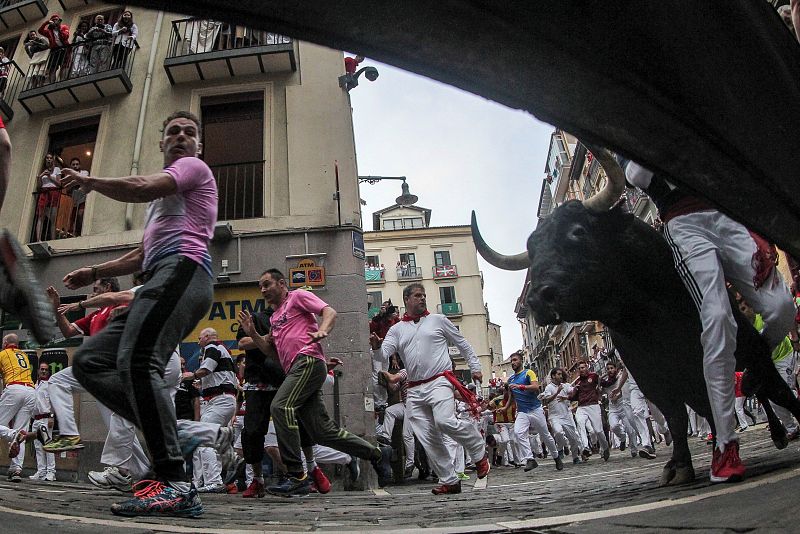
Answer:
(542, 301)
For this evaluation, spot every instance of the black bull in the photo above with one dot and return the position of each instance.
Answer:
(610, 266)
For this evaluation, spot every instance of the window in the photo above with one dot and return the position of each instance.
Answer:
(372, 260)
(405, 222)
(447, 295)
(413, 222)
(10, 46)
(237, 166)
(58, 215)
(409, 259)
(111, 16)
(441, 257)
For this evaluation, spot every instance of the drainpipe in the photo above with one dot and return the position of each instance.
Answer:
(137, 146)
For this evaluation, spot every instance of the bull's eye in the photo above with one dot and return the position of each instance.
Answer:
(576, 233)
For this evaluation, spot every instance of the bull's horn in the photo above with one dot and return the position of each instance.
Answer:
(605, 199)
(518, 262)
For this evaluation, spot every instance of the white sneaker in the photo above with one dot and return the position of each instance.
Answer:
(111, 478)
(50, 477)
(36, 476)
(213, 488)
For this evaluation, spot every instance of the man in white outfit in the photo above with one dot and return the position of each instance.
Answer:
(635, 403)
(42, 418)
(618, 409)
(556, 398)
(587, 393)
(397, 411)
(421, 339)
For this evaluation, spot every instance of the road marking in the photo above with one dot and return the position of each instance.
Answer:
(481, 483)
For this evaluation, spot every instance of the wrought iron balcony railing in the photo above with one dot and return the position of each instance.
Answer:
(241, 190)
(450, 308)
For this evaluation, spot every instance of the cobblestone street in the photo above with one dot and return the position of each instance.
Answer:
(623, 490)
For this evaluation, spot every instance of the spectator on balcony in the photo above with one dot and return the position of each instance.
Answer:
(125, 33)
(49, 194)
(99, 35)
(78, 202)
(57, 35)
(37, 47)
(5, 64)
(80, 51)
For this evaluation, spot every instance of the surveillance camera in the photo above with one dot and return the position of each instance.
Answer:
(371, 73)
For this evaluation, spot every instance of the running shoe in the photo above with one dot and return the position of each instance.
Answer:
(462, 476)
(648, 453)
(726, 466)
(13, 447)
(355, 469)
(447, 489)
(291, 487)
(255, 490)
(606, 454)
(20, 292)
(156, 499)
(320, 480)
(37, 476)
(50, 477)
(64, 443)
(111, 478)
(483, 467)
(383, 467)
(213, 488)
(559, 464)
(531, 464)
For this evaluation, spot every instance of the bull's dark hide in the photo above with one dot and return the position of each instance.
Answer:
(705, 91)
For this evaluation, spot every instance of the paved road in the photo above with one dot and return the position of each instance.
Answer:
(618, 496)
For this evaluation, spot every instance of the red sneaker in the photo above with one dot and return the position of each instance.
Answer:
(321, 481)
(231, 488)
(446, 489)
(255, 490)
(482, 468)
(726, 466)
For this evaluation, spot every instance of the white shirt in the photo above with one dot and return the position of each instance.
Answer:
(558, 407)
(42, 398)
(423, 346)
(615, 405)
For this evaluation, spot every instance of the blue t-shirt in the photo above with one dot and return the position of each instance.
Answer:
(527, 401)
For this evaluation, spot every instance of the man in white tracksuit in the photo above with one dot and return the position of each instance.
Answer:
(42, 417)
(556, 398)
(618, 409)
(421, 339)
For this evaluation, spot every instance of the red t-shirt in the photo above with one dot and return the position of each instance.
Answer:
(586, 392)
(94, 322)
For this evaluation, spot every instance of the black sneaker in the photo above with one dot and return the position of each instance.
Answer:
(409, 472)
(354, 468)
(291, 487)
(559, 464)
(622, 444)
(156, 499)
(383, 467)
(648, 453)
(606, 454)
(531, 464)
(15, 476)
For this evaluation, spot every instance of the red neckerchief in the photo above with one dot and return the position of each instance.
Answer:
(415, 318)
(466, 395)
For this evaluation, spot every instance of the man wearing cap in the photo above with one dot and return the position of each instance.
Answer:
(58, 37)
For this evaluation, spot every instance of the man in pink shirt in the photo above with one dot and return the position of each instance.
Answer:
(295, 335)
(123, 365)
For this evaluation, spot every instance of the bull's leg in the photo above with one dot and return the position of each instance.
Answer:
(776, 429)
(679, 469)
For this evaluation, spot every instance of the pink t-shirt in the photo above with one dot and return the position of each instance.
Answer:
(183, 223)
(292, 323)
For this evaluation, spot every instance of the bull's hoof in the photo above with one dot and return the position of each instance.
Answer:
(668, 473)
(781, 440)
(683, 475)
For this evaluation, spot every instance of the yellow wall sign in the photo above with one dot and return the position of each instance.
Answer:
(307, 273)
(224, 311)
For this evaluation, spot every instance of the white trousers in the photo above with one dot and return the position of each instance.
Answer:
(709, 249)
(621, 426)
(658, 418)
(45, 461)
(592, 414)
(564, 433)
(216, 412)
(392, 414)
(785, 368)
(62, 386)
(535, 420)
(639, 412)
(740, 415)
(431, 409)
(17, 403)
(456, 453)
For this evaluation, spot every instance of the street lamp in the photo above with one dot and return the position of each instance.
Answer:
(350, 81)
(405, 199)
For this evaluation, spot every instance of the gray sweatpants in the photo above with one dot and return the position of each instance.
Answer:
(123, 365)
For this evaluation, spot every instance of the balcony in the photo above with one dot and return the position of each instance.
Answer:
(451, 309)
(241, 190)
(9, 87)
(444, 271)
(203, 49)
(66, 5)
(57, 216)
(16, 13)
(76, 73)
(374, 275)
(409, 273)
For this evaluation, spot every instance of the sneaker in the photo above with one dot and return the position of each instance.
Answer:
(255, 490)
(482, 467)
(231, 488)
(64, 443)
(577, 460)
(648, 453)
(37, 476)
(15, 476)
(156, 499)
(409, 472)
(355, 469)
(606, 454)
(462, 476)
(566, 450)
(291, 487)
(726, 466)
(634, 453)
(321, 481)
(231, 462)
(559, 464)
(213, 488)
(622, 444)
(18, 437)
(447, 489)
(531, 464)
(20, 292)
(50, 477)
(382, 466)
(111, 478)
